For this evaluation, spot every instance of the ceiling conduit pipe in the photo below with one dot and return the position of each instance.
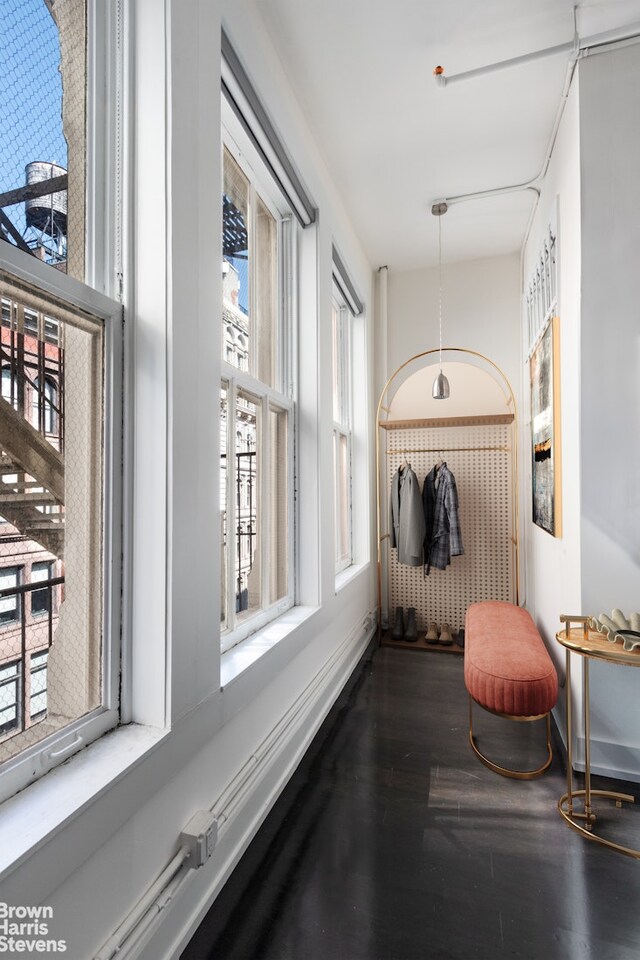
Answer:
(578, 48)
(444, 81)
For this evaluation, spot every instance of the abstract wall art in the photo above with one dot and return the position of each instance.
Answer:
(544, 365)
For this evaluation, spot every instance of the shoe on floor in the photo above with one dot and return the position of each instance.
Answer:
(431, 635)
(411, 629)
(398, 628)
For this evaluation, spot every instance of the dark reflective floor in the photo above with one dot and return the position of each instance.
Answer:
(392, 842)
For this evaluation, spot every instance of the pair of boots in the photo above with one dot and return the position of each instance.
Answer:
(442, 635)
(408, 631)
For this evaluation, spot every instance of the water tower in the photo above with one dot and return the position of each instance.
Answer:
(46, 216)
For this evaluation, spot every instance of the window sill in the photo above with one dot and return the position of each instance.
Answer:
(34, 815)
(346, 576)
(249, 652)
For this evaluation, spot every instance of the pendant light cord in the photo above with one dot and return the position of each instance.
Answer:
(440, 283)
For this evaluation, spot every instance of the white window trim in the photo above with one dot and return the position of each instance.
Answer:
(236, 380)
(344, 427)
(342, 563)
(243, 100)
(235, 139)
(32, 762)
(106, 111)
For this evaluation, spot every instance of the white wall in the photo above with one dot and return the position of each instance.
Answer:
(595, 565)
(107, 849)
(474, 391)
(610, 387)
(552, 564)
(481, 311)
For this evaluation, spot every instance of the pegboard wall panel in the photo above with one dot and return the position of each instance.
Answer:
(480, 458)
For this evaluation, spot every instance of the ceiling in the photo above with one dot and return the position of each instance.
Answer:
(394, 141)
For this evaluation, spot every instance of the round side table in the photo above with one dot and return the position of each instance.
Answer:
(589, 645)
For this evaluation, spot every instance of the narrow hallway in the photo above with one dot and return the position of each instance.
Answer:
(392, 842)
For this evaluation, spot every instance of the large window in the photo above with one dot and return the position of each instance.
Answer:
(61, 363)
(342, 321)
(9, 606)
(41, 599)
(53, 495)
(9, 696)
(256, 401)
(39, 684)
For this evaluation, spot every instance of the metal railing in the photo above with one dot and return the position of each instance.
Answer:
(246, 521)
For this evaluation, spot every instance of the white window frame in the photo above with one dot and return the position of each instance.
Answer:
(282, 398)
(19, 568)
(343, 427)
(33, 762)
(46, 566)
(34, 669)
(13, 678)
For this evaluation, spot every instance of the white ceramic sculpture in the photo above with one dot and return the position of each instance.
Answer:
(618, 628)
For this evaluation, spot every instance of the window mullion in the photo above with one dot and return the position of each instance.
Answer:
(336, 490)
(350, 495)
(231, 505)
(252, 300)
(340, 364)
(266, 494)
(349, 368)
(245, 381)
(285, 301)
(281, 363)
(291, 511)
(346, 366)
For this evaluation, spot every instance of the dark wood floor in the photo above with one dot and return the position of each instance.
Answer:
(392, 842)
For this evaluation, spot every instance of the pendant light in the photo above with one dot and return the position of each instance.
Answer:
(440, 390)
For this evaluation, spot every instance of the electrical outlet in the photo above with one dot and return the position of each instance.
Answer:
(200, 835)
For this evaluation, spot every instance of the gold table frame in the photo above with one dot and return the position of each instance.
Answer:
(589, 645)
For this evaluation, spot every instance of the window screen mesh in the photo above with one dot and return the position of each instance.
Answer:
(51, 429)
(43, 120)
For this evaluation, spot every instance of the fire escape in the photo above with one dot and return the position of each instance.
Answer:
(31, 360)
(31, 426)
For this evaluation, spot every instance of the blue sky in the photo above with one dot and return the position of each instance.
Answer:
(30, 93)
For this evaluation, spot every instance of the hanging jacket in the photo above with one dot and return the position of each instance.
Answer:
(443, 538)
(406, 523)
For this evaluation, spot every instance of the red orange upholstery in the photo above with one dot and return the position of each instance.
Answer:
(506, 665)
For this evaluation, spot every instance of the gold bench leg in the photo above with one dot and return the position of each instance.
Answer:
(506, 771)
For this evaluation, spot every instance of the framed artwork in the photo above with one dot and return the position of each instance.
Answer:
(544, 366)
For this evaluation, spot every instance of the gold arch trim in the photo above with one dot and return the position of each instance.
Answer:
(514, 450)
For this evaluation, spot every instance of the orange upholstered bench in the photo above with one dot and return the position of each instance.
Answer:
(508, 671)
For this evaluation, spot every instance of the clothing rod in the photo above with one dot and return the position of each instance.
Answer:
(403, 450)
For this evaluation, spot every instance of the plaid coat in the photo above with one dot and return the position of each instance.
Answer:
(406, 524)
(443, 538)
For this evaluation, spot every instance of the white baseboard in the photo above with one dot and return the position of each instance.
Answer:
(610, 760)
(613, 760)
